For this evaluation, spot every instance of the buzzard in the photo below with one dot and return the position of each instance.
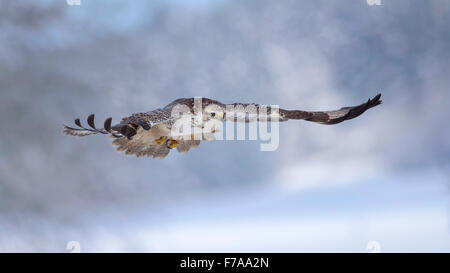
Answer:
(181, 124)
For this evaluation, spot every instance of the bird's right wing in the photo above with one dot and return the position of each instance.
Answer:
(127, 127)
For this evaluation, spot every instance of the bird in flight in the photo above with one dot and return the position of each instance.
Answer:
(182, 123)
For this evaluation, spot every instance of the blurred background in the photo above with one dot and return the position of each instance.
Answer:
(379, 182)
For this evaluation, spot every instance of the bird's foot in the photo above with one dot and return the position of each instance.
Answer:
(172, 143)
(161, 140)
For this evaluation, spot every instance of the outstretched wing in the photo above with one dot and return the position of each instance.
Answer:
(83, 131)
(332, 117)
(141, 134)
(126, 128)
(136, 134)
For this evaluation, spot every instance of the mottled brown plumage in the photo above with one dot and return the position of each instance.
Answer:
(149, 133)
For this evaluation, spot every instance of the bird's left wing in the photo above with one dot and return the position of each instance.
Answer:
(332, 117)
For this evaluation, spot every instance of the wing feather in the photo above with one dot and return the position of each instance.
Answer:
(185, 145)
(335, 116)
(160, 151)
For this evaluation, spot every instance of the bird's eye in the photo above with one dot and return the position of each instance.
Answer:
(213, 114)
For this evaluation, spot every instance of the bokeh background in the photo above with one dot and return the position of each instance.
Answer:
(380, 180)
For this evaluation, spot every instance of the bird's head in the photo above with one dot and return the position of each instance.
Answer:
(213, 111)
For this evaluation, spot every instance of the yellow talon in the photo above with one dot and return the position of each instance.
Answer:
(160, 140)
(171, 143)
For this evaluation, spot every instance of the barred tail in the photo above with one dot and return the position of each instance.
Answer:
(83, 131)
